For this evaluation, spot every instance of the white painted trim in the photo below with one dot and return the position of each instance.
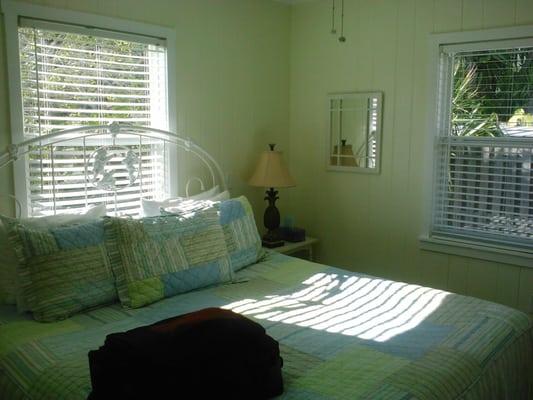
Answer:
(172, 107)
(429, 159)
(465, 248)
(13, 9)
(15, 101)
(448, 245)
(484, 35)
(16, 8)
(490, 45)
(89, 31)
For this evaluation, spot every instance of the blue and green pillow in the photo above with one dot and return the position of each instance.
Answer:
(62, 270)
(238, 224)
(157, 257)
(240, 232)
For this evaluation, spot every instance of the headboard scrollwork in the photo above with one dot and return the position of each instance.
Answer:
(112, 166)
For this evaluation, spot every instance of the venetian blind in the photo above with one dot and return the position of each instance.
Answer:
(485, 148)
(73, 76)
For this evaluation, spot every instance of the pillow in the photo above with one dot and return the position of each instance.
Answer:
(206, 195)
(62, 270)
(221, 196)
(151, 208)
(240, 232)
(158, 257)
(238, 224)
(8, 267)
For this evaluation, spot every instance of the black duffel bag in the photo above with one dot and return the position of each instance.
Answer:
(205, 354)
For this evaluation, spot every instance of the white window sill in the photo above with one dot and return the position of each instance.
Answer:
(465, 248)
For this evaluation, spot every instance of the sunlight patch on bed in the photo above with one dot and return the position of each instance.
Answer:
(369, 308)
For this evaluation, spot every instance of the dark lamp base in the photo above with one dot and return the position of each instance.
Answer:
(272, 239)
(272, 243)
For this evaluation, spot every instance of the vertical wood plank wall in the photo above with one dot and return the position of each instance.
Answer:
(372, 223)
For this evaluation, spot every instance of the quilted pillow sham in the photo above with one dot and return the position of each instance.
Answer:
(240, 232)
(9, 265)
(157, 257)
(62, 270)
(238, 224)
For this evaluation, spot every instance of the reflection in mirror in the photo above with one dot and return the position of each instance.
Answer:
(354, 131)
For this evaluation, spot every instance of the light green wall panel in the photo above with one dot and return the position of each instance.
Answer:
(472, 15)
(497, 13)
(523, 12)
(447, 15)
(372, 223)
(525, 294)
(457, 274)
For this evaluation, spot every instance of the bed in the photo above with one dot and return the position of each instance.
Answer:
(342, 335)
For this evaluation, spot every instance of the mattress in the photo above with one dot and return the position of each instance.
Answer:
(342, 335)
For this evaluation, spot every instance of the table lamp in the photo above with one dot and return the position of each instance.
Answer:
(271, 173)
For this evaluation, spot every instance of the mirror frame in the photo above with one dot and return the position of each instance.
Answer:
(355, 95)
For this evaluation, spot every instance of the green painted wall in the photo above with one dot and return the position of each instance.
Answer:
(372, 223)
(232, 76)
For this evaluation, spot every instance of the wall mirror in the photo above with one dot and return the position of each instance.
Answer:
(354, 137)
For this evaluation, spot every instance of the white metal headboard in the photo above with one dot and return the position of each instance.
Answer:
(113, 130)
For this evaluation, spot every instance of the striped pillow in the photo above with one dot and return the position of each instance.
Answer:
(240, 232)
(9, 265)
(157, 257)
(238, 224)
(62, 270)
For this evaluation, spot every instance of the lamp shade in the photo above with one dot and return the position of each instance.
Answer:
(271, 171)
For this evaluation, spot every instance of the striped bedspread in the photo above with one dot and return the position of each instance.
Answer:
(342, 336)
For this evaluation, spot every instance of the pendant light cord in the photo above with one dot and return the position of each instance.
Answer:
(342, 38)
(333, 30)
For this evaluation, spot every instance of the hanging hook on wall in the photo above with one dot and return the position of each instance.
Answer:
(333, 29)
(342, 38)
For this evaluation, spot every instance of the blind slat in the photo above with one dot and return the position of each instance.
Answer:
(86, 85)
(86, 94)
(84, 77)
(90, 103)
(91, 59)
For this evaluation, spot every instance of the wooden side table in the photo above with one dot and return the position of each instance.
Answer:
(294, 247)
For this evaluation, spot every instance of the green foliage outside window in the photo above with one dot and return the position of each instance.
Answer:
(492, 89)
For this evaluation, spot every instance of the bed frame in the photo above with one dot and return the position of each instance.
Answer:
(110, 133)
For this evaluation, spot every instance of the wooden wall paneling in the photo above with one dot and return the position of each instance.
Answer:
(508, 284)
(472, 15)
(498, 13)
(448, 15)
(524, 12)
(482, 279)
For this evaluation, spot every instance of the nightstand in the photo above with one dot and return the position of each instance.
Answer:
(295, 247)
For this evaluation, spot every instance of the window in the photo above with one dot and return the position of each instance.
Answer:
(71, 79)
(484, 149)
(69, 69)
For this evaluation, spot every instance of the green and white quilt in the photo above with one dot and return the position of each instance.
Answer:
(342, 335)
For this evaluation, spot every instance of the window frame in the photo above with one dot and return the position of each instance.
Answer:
(13, 10)
(479, 39)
